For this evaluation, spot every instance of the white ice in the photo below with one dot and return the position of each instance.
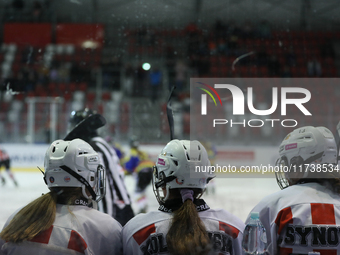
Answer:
(236, 195)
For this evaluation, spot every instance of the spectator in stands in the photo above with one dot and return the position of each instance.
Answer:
(222, 47)
(129, 75)
(264, 30)
(290, 57)
(111, 72)
(203, 48)
(141, 80)
(150, 37)
(192, 29)
(219, 30)
(64, 72)
(140, 34)
(274, 66)
(286, 73)
(170, 55)
(31, 80)
(75, 72)
(262, 57)
(54, 74)
(233, 29)
(42, 73)
(247, 30)
(314, 68)
(155, 83)
(37, 11)
(212, 47)
(181, 70)
(28, 55)
(233, 34)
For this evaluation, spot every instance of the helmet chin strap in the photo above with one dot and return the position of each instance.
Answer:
(164, 181)
(80, 179)
(310, 160)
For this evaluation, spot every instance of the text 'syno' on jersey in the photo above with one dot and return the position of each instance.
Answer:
(300, 219)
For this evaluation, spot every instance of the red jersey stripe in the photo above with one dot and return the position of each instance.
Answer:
(141, 235)
(285, 251)
(77, 243)
(284, 217)
(326, 252)
(228, 229)
(43, 236)
(322, 213)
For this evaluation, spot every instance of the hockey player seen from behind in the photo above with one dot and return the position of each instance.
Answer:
(62, 221)
(184, 223)
(305, 215)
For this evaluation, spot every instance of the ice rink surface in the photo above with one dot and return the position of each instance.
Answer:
(236, 195)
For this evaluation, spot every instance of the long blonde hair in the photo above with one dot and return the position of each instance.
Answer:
(187, 233)
(35, 217)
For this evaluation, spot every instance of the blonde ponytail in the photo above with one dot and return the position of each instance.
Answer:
(35, 217)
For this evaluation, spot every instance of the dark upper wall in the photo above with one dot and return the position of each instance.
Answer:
(314, 14)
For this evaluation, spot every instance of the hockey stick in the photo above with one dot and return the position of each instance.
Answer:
(170, 115)
(86, 126)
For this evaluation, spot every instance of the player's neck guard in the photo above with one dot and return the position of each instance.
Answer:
(172, 205)
(78, 201)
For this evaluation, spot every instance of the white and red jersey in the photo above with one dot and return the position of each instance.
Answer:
(77, 229)
(300, 219)
(146, 233)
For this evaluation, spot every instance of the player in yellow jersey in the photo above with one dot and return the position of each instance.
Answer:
(139, 165)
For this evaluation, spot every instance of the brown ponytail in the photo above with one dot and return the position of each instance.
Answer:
(187, 234)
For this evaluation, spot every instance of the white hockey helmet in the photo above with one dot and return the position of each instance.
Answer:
(305, 146)
(177, 165)
(75, 164)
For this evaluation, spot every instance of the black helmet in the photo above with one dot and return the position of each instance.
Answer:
(134, 143)
(83, 124)
(78, 116)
